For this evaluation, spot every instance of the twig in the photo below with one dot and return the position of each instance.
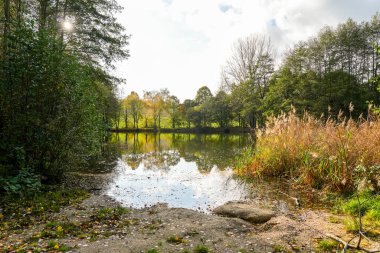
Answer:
(295, 199)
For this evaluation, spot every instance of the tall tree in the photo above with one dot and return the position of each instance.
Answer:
(248, 72)
(173, 108)
(135, 107)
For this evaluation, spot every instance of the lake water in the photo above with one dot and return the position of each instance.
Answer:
(183, 170)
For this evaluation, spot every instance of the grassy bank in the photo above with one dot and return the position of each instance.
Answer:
(39, 223)
(335, 154)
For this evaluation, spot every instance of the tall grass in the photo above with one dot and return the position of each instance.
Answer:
(316, 152)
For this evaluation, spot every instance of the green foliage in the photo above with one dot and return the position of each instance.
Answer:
(55, 100)
(153, 251)
(327, 245)
(106, 213)
(243, 159)
(201, 249)
(26, 182)
(280, 249)
(368, 204)
(328, 73)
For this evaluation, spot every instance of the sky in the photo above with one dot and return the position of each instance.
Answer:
(183, 44)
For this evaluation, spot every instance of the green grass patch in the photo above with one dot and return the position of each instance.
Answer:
(153, 251)
(280, 249)
(51, 199)
(106, 214)
(201, 249)
(327, 245)
(368, 203)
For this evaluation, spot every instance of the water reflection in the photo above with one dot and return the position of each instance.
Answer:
(165, 150)
(183, 170)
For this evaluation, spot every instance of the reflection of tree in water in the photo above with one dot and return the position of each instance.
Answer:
(212, 150)
(165, 150)
(161, 160)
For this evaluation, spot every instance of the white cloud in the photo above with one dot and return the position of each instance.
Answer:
(182, 44)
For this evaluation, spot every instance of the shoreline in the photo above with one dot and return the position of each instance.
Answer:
(97, 225)
(204, 130)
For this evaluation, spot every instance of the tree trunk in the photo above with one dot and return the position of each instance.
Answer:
(64, 18)
(126, 118)
(43, 13)
(7, 17)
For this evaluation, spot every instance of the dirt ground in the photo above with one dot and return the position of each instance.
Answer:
(285, 232)
(162, 229)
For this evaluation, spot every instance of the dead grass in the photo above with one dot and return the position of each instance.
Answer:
(316, 152)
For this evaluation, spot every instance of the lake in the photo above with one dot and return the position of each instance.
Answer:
(183, 170)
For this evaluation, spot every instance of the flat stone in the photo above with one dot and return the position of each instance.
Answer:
(244, 211)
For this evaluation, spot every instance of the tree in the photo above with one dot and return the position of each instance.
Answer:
(162, 98)
(329, 72)
(203, 95)
(221, 109)
(203, 104)
(187, 106)
(173, 108)
(125, 109)
(153, 105)
(134, 105)
(248, 72)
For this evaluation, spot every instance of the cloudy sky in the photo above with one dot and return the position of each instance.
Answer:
(183, 44)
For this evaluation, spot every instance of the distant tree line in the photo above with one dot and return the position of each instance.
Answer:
(205, 110)
(56, 94)
(335, 71)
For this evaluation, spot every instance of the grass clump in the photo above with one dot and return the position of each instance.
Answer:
(327, 245)
(55, 246)
(106, 214)
(321, 153)
(201, 249)
(153, 251)
(280, 249)
(175, 239)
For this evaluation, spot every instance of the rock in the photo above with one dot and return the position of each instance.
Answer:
(244, 211)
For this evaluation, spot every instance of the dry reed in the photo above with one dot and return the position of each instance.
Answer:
(316, 152)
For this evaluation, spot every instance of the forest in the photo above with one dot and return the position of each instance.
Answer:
(57, 96)
(330, 73)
